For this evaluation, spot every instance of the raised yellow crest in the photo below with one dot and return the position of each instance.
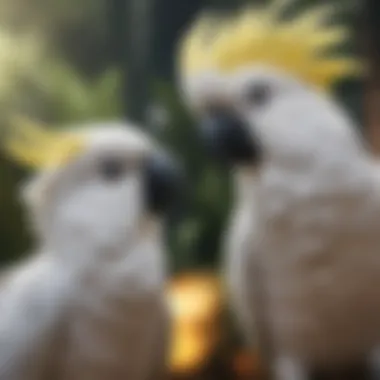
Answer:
(37, 147)
(301, 46)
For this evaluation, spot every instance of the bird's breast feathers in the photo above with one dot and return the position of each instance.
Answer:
(318, 247)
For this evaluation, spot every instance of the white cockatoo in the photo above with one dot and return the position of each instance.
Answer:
(302, 260)
(89, 303)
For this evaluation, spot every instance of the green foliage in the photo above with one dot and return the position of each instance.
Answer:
(14, 237)
(69, 97)
(196, 240)
(75, 29)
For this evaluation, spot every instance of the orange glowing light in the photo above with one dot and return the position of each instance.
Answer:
(195, 302)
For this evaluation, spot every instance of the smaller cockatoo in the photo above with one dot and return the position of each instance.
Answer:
(89, 304)
(302, 262)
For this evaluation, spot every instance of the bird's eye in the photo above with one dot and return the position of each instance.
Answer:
(112, 169)
(258, 94)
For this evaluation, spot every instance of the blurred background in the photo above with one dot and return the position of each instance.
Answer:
(68, 61)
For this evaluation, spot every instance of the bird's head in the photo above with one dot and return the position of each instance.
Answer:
(271, 101)
(106, 183)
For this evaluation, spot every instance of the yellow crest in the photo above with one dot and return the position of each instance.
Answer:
(302, 46)
(35, 146)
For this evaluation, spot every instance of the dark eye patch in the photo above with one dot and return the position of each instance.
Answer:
(258, 94)
(112, 168)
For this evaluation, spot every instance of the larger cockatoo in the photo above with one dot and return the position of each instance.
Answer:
(89, 303)
(302, 262)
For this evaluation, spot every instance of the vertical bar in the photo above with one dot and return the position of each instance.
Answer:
(139, 73)
(118, 41)
(131, 26)
(351, 91)
(172, 17)
(371, 41)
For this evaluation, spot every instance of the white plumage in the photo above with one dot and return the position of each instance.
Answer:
(306, 220)
(315, 214)
(301, 260)
(89, 304)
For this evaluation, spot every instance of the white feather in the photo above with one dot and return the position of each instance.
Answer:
(90, 304)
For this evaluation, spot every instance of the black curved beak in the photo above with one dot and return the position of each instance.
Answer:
(229, 139)
(164, 183)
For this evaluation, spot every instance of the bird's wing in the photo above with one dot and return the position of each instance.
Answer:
(247, 283)
(259, 318)
(160, 368)
(32, 303)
